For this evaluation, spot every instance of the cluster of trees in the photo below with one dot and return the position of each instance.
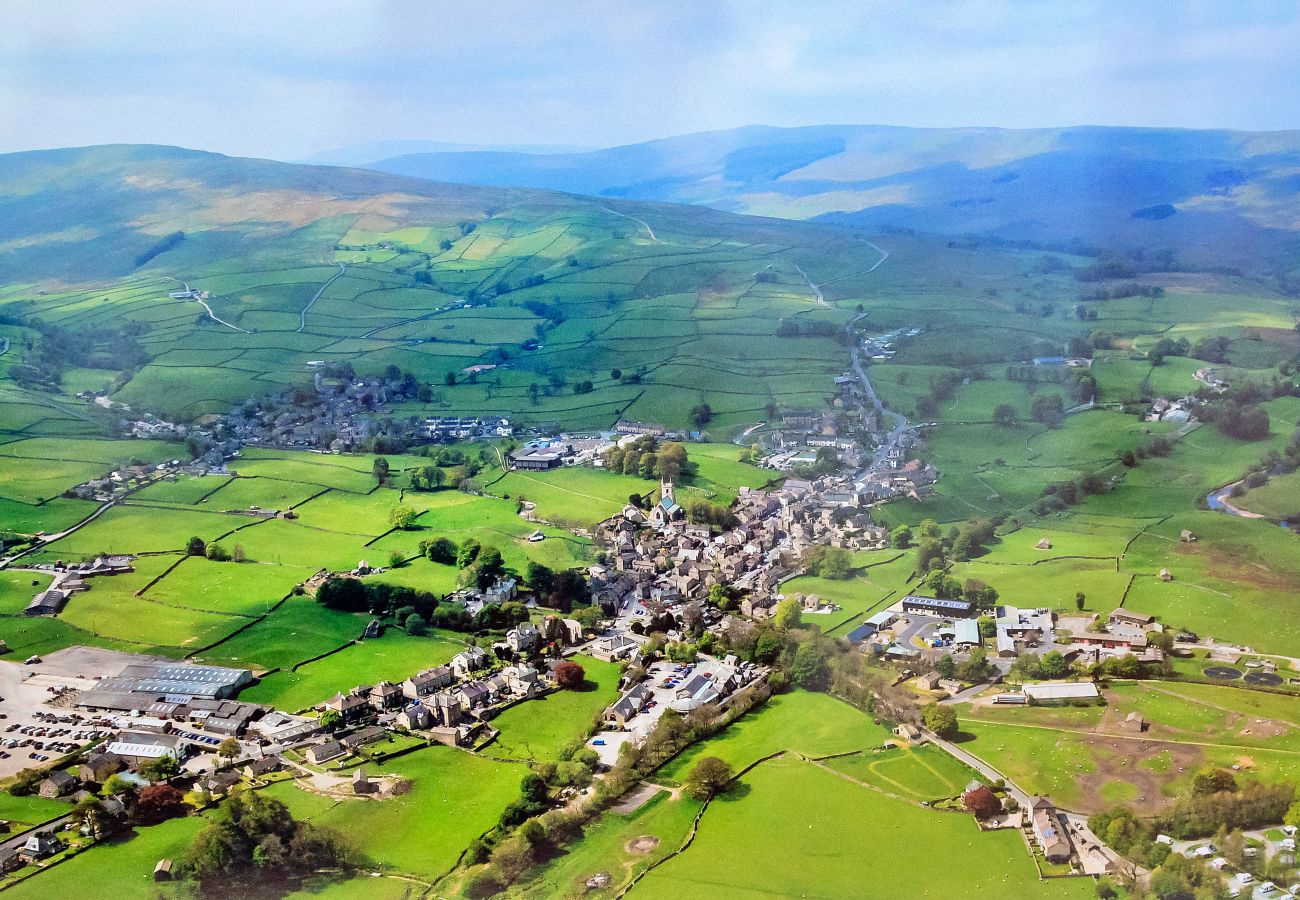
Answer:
(807, 328)
(701, 415)
(1121, 291)
(1158, 446)
(1106, 268)
(427, 478)
(972, 670)
(255, 839)
(557, 590)
(54, 349)
(1064, 494)
(935, 549)
(715, 515)
(648, 459)
(1245, 423)
(943, 385)
(828, 562)
(196, 546)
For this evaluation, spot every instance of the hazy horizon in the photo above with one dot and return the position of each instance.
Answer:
(296, 80)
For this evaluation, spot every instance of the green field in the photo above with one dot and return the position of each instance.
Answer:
(1084, 760)
(840, 831)
(455, 796)
(915, 773)
(538, 729)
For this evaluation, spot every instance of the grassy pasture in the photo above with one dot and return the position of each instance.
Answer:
(393, 657)
(846, 829)
(806, 723)
(455, 796)
(538, 728)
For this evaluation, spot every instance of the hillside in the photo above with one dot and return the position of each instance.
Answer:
(551, 292)
(1215, 197)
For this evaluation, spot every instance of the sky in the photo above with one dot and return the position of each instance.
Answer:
(288, 80)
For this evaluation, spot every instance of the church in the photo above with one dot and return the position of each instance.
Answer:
(667, 509)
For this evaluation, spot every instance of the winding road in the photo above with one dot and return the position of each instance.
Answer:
(302, 316)
(644, 224)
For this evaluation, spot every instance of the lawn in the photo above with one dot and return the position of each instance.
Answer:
(604, 848)
(395, 656)
(808, 723)
(838, 833)
(455, 796)
(537, 729)
(917, 773)
(117, 870)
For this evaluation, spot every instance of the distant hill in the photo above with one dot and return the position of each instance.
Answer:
(97, 212)
(1214, 197)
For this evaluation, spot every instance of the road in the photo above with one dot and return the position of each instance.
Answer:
(644, 224)
(816, 289)
(47, 539)
(216, 318)
(302, 316)
(900, 423)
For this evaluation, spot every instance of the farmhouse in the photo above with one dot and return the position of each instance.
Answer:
(266, 765)
(1129, 617)
(614, 648)
(1061, 692)
(1047, 829)
(935, 606)
(628, 705)
(349, 706)
(99, 766)
(57, 784)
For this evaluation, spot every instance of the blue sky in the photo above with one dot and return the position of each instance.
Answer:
(287, 79)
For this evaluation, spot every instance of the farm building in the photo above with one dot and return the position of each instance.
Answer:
(141, 684)
(141, 746)
(967, 634)
(539, 459)
(1021, 629)
(935, 606)
(1129, 617)
(1047, 829)
(1125, 643)
(1061, 692)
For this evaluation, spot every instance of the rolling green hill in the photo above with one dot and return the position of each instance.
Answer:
(305, 263)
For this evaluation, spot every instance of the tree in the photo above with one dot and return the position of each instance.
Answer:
(709, 777)
(789, 614)
(217, 553)
(570, 676)
(331, 720)
(441, 550)
(946, 667)
(1054, 664)
(160, 769)
(229, 749)
(1213, 781)
(672, 461)
(158, 803)
(379, 468)
(701, 415)
(402, 517)
(901, 538)
(396, 559)
(810, 668)
(942, 720)
(981, 803)
(1005, 414)
(195, 547)
(1079, 600)
(237, 553)
(1048, 409)
(90, 813)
